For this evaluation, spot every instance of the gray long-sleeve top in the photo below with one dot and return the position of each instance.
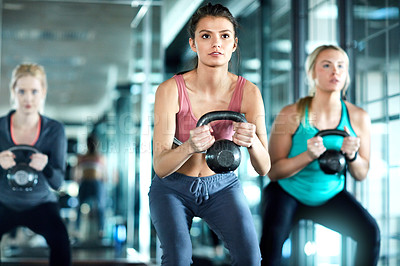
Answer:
(52, 142)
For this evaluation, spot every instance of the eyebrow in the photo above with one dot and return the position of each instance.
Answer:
(325, 60)
(221, 31)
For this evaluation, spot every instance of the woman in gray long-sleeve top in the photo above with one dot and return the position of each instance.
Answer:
(32, 203)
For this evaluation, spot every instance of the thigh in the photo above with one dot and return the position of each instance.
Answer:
(346, 215)
(171, 216)
(279, 210)
(229, 216)
(227, 213)
(8, 220)
(45, 220)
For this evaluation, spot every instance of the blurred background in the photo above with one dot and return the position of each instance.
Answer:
(104, 60)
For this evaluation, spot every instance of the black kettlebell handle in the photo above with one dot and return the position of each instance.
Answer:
(24, 147)
(327, 132)
(220, 115)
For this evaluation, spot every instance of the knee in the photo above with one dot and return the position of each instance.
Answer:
(176, 255)
(56, 240)
(375, 235)
(246, 253)
(272, 236)
(371, 235)
(249, 257)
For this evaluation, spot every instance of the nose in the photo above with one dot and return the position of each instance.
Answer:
(335, 70)
(27, 97)
(217, 44)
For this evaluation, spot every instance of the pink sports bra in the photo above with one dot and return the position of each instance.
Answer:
(185, 119)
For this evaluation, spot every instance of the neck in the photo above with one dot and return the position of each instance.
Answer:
(25, 120)
(327, 99)
(213, 79)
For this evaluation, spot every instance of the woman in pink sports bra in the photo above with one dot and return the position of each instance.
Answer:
(184, 186)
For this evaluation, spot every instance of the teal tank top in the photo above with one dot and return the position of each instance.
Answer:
(311, 186)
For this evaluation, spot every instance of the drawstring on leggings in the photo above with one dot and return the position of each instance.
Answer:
(200, 190)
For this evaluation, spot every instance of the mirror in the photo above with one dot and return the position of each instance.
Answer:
(86, 48)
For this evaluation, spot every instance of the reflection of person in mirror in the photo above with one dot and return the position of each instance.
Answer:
(184, 185)
(90, 174)
(299, 188)
(38, 208)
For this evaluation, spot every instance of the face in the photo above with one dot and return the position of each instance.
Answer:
(214, 41)
(29, 94)
(331, 70)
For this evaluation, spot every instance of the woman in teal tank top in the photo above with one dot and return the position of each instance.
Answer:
(299, 189)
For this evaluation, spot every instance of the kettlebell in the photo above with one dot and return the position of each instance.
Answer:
(224, 155)
(22, 177)
(332, 161)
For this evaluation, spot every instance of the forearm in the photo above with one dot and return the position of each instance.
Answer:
(288, 167)
(259, 158)
(359, 168)
(170, 160)
(55, 176)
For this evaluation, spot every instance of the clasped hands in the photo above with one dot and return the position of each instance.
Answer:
(201, 138)
(38, 160)
(350, 146)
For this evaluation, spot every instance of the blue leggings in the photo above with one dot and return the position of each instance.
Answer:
(343, 214)
(218, 200)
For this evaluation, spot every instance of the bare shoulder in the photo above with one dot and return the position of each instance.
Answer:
(290, 109)
(252, 99)
(251, 90)
(167, 86)
(287, 120)
(166, 96)
(359, 118)
(356, 113)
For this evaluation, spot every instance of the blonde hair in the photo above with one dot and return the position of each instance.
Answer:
(27, 69)
(309, 68)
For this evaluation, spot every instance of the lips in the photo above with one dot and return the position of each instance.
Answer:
(215, 53)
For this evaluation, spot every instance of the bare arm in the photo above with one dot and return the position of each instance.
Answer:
(253, 134)
(167, 160)
(361, 144)
(280, 144)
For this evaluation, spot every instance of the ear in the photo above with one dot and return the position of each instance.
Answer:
(192, 44)
(235, 45)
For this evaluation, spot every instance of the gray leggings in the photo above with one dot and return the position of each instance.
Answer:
(218, 200)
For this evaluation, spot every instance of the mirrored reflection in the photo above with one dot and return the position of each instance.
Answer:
(96, 75)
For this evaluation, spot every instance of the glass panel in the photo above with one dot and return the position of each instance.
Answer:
(394, 81)
(394, 107)
(374, 84)
(375, 110)
(322, 23)
(394, 143)
(394, 61)
(371, 17)
(279, 49)
(377, 172)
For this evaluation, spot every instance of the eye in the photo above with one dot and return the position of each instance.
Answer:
(341, 66)
(21, 91)
(325, 65)
(205, 36)
(225, 36)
